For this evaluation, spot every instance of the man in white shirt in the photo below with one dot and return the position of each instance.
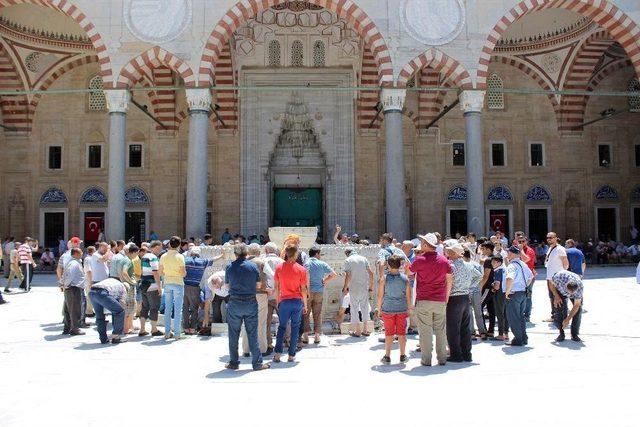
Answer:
(272, 259)
(555, 261)
(358, 282)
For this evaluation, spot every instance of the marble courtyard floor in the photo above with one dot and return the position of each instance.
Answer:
(53, 380)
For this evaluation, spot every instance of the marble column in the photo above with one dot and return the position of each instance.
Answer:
(395, 198)
(117, 104)
(471, 103)
(199, 102)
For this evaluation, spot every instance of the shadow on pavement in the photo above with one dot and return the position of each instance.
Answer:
(156, 343)
(509, 350)
(91, 346)
(56, 337)
(229, 374)
(425, 371)
(569, 345)
(385, 369)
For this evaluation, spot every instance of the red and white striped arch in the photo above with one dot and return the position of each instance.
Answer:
(247, 9)
(611, 68)
(149, 60)
(449, 68)
(429, 102)
(537, 77)
(71, 10)
(16, 111)
(621, 27)
(56, 74)
(588, 56)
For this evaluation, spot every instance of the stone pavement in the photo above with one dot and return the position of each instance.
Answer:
(54, 380)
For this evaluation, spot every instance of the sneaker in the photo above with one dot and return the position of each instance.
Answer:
(7, 291)
(404, 359)
(78, 332)
(157, 334)
(143, 334)
(560, 337)
(232, 366)
(116, 340)
(386, 360)
(246, 354)
(576, 338)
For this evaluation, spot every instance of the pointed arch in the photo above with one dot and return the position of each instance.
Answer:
(621, 27)
(68, 8)
(439, 61)
(244, 10)
(537, 77)
(588, 56)
(149, 60)
(16, 111)
(611, 68)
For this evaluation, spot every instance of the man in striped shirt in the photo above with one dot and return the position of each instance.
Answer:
(25, 254)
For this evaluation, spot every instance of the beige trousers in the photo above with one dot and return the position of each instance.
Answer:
(263, 307)
(431, 318)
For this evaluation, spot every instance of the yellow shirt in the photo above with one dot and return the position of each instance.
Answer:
(137, 267)
(172, 264)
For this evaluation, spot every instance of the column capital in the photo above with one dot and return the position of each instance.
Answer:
(393, 99)
(472, 101)
(198, 99)
(117, 100)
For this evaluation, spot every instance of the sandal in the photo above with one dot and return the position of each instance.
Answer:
(366, 334)
(143, 334)
(262, 367)
(276, 359)
(354, 335)
(291, 359)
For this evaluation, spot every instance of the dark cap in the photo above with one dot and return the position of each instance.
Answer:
(514, 250)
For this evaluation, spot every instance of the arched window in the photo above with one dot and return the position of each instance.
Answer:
(634, 100)
(274, 55)
(97, 101)
(495, 98)
(297, 54)
(319, 54)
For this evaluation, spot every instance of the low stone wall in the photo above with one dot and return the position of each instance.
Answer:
(331, 254)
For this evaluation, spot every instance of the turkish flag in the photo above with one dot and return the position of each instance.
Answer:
(499, 222)
(92, 227)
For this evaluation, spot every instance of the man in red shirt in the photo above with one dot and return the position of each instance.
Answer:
(291, 282)
(434, 279)
(528, 255)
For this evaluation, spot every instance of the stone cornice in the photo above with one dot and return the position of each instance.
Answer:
(13, 31)
(538, 42)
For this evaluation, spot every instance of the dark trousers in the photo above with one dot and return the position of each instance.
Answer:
(290, 310)
(488, 302)
(516, 306)
(217, 308)
(27, 273)
(101, 299)
(150, 305)
(458, 327)
(239, 310)
(72, 308)
(190, 307)
(501, 312)
(560, 313)
(529, 306)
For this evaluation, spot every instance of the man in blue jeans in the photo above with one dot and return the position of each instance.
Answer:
(243, 278)
(518, 277)
(109, 294)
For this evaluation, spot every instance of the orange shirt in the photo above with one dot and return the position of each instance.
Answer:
(291, 277)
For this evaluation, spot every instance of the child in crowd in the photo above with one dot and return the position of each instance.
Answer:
(394, 300)
(499, 301)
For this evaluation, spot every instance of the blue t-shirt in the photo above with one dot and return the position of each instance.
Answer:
(576, 258)
(395, 294)
(195, 270)
(242, 276)
(318, 270)
(498, 276)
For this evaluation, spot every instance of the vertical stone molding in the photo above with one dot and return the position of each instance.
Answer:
(395, 195)
(117, 103)
(199, 102)
(471, 103)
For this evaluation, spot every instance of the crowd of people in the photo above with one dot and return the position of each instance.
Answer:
(433, 286)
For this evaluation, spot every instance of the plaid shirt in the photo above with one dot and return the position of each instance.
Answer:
(562, 278)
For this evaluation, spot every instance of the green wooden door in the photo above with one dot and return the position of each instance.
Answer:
(298, 207)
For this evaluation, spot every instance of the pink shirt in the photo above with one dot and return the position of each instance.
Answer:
(431, 272)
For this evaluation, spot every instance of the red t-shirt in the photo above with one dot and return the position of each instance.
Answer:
(431, 272)
(531, 253)
(291, 278)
